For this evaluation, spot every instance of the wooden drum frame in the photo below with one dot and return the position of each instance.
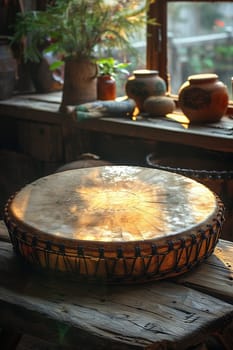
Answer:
(160, 239)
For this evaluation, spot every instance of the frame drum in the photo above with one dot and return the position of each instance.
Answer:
(120, 224)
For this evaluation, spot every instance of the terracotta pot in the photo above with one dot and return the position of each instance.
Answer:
(144, 83)
(106, 88)
(80, 82)
(203, 98)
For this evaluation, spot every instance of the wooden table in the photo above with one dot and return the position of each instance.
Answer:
(189, 311)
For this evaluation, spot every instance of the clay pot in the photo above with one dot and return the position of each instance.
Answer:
(203, 98)
(7, 71)
(144, 83)
(106, 88)
(80, 82)
(43, 78)
(159, 105)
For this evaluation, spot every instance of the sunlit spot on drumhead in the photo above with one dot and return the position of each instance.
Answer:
(206, 201)
(122, 212)
(21, 210)
(73, 209)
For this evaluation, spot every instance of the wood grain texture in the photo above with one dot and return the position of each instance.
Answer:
(35, 108)
(215, 276)
(41, 141)
(4, 236)
(159, 315)
(217, 136)
(163, 130)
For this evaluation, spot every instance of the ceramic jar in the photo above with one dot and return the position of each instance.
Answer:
(7, 71)
(203, 98)
(80, 83)
(106, 88)
(144, 83)
(159, 105)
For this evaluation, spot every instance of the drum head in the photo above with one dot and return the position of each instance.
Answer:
(104, 215)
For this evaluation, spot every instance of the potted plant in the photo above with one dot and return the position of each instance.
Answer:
(77, 30)
(108, 68)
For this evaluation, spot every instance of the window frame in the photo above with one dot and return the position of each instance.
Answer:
(156, 43)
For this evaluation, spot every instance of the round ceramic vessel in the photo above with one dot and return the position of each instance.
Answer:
(203, 98)
(106, 88)
(144, 83)
(7, 71)
(159, 105)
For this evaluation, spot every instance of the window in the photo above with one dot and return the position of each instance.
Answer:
(192, 37)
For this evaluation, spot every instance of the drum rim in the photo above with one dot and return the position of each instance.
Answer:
(189, 172)
(144, 265)
(200, 226)
(216, 215)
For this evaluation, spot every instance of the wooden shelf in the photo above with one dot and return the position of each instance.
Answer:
(45, 108)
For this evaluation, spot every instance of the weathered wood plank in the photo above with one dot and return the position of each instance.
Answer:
(111, 319)
(161, 130)
(53, 97)
(4, 236)
(45, 107)
(41, 141)
(158, 315)
(215, 275)
(30, 108)
(75, 141)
